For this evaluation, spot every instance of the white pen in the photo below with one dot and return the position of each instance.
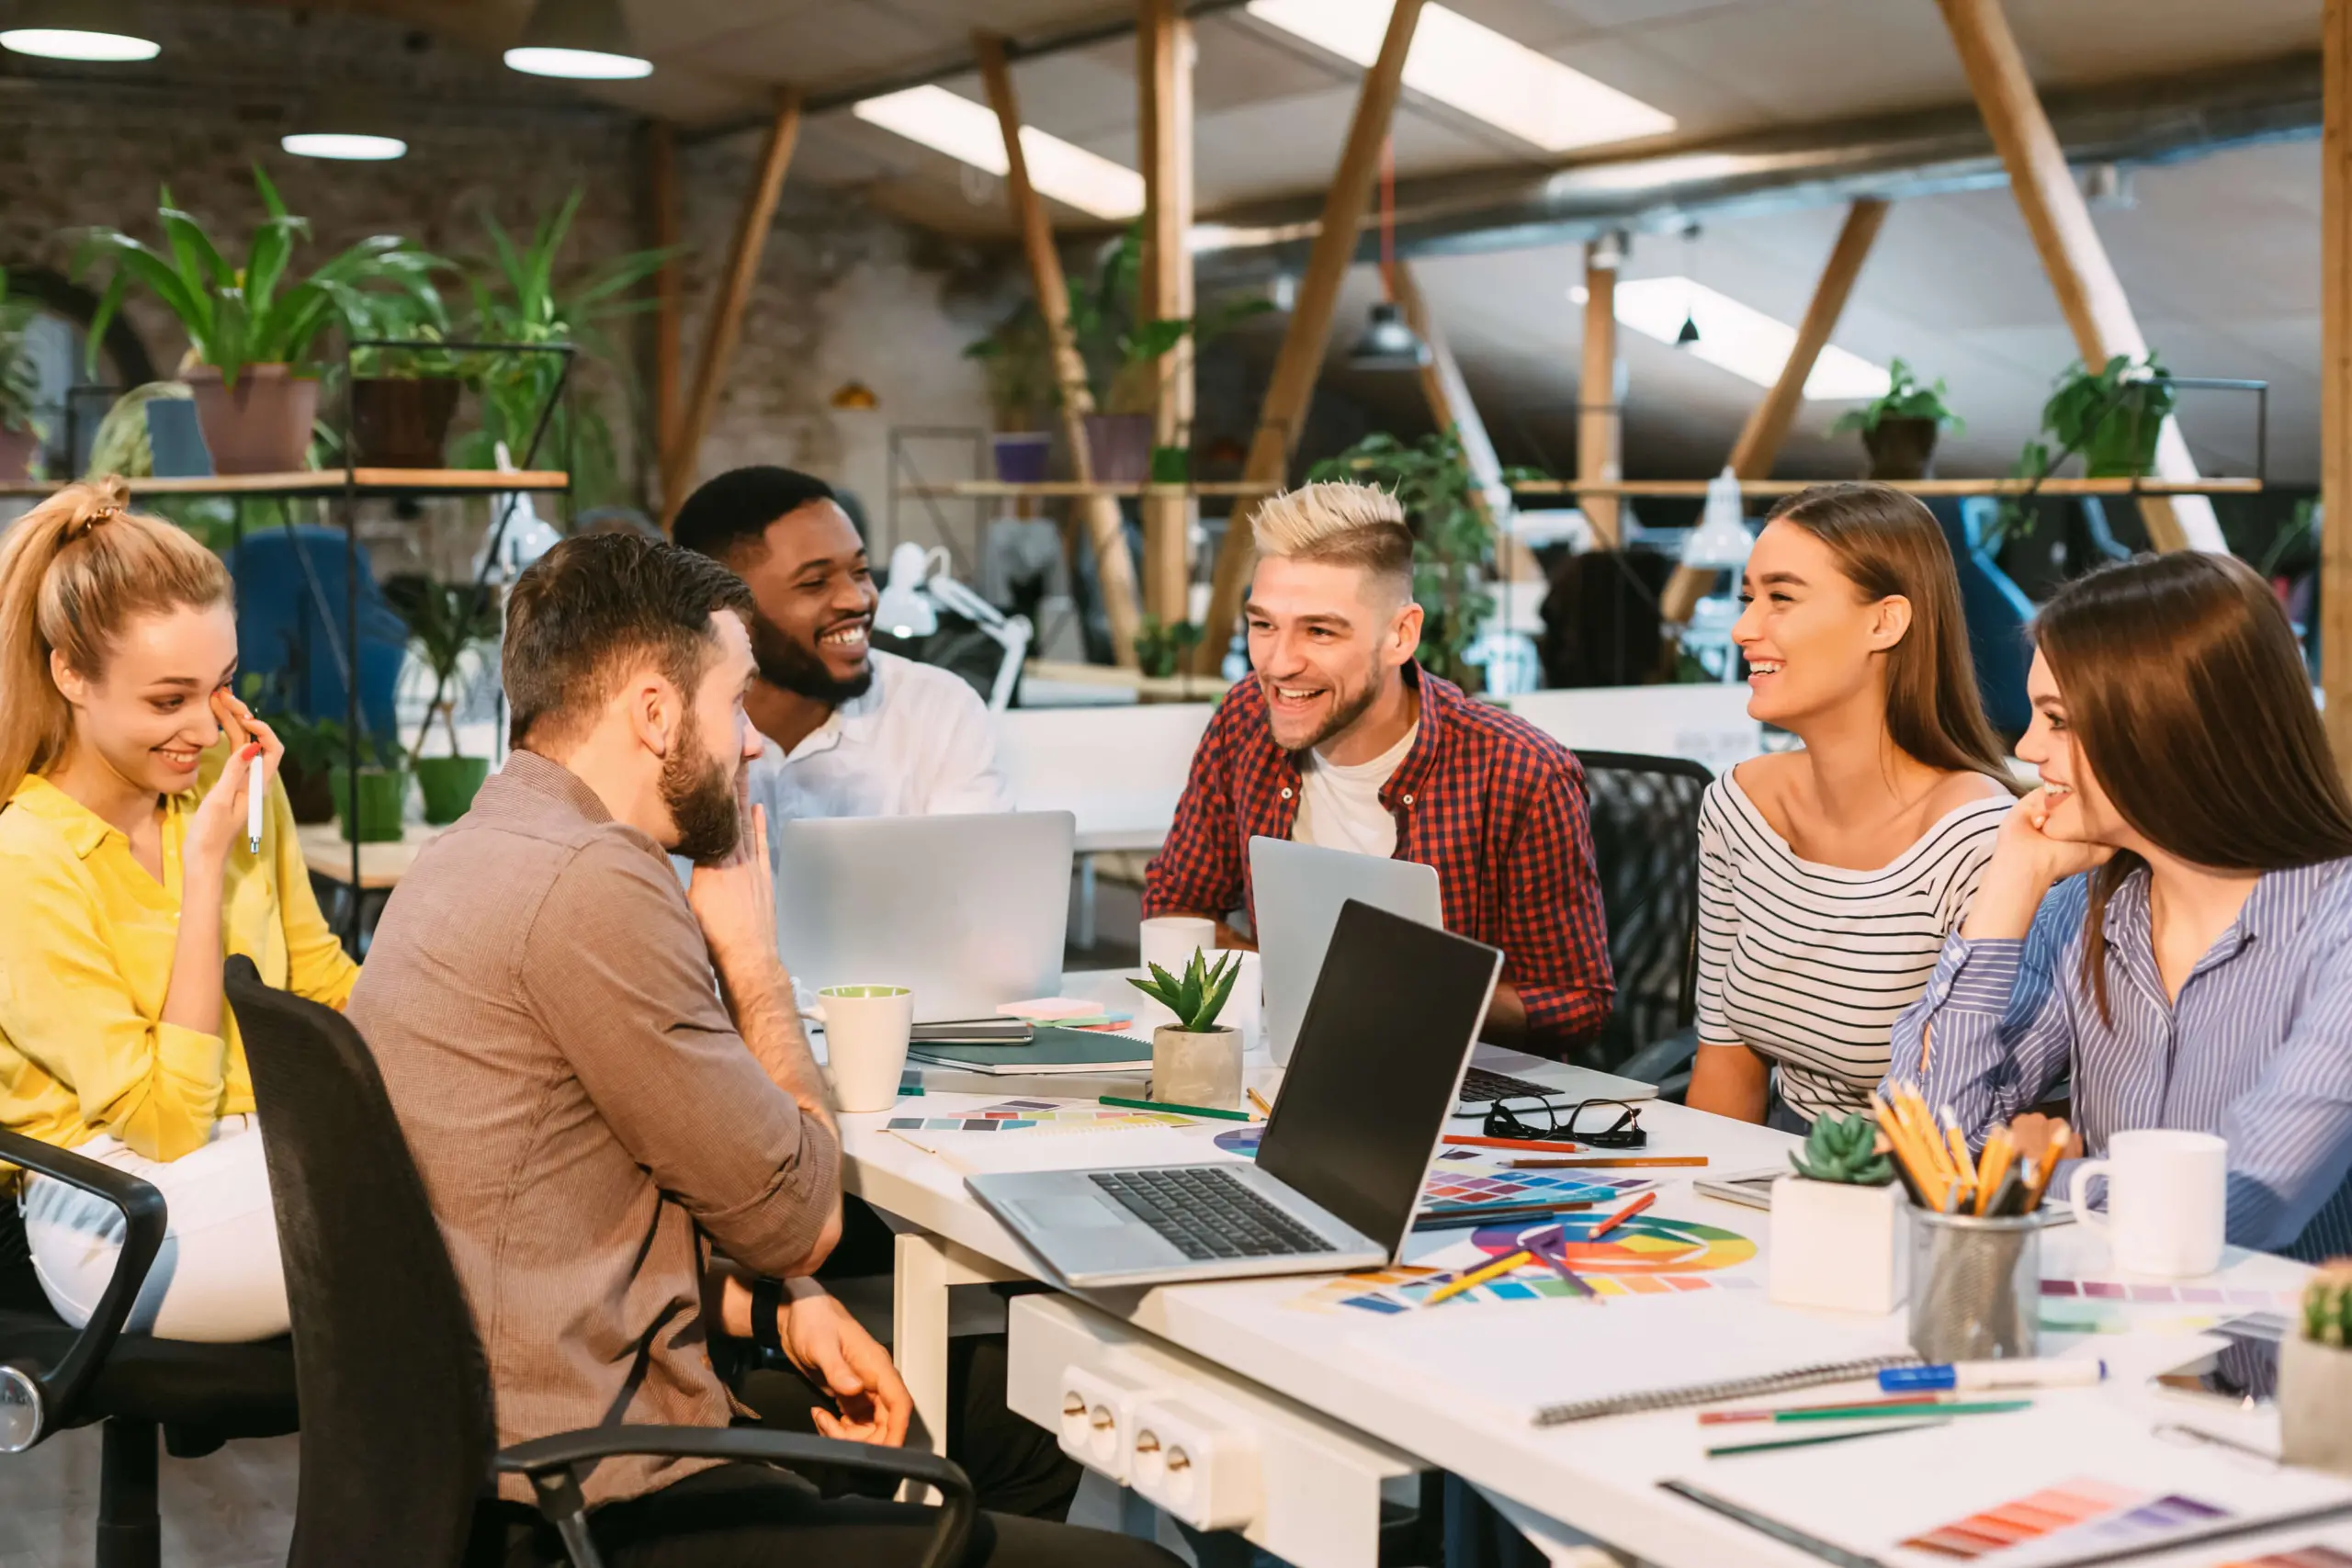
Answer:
(253, 807)
(2021, 1373)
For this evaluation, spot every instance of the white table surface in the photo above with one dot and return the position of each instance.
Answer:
(1599, 1477)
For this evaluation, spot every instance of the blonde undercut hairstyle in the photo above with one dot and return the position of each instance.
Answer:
(1341, 523)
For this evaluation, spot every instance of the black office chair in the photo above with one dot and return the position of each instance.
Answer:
(1645, 817)
(397, 1441)
(55, 1376)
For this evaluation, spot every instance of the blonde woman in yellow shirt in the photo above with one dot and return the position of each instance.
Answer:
(125, 761)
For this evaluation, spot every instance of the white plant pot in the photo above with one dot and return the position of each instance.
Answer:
(1836, 1245)
(1203, 1069)
(2315, 1405)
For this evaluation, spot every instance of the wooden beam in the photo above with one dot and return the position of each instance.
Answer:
(1164, 76)
(1600, 423)
(1759, 446)
(1448, 395)
(2089, 294)
(1299, 361)
(1115, 569)
(727, 307)
(2335, 378)
(668, 289)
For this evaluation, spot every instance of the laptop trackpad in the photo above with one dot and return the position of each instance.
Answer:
(1069, 1214)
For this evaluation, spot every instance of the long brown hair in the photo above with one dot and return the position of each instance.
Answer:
(2188, 702)
(1889, 545)
(74, 571)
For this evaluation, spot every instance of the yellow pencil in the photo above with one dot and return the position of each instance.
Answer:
(1259, 1101)
(1962, 1164)
(1494, 1270)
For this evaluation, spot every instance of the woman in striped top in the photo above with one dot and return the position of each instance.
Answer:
(2170, 914)
(1828, 878)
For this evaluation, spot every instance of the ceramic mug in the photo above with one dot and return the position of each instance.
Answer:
(1170, 941)
(2168, 1193)
(867, 1029)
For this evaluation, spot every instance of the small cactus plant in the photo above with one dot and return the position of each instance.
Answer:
(1844, 1149)
(1199, 996)
(2327, 1305)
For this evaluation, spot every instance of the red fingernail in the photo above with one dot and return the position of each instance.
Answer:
(252, 751)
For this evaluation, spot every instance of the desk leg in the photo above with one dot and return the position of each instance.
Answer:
(1084, 937)
(918, 1340)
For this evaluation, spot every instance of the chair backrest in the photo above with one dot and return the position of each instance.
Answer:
(1645, 816)
(397, 1430)
(1706, 721)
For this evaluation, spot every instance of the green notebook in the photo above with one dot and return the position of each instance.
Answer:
(1053, 1051)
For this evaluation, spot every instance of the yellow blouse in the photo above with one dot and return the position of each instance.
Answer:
(86, 957)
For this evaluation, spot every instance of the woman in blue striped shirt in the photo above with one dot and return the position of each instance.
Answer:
(2170, 914)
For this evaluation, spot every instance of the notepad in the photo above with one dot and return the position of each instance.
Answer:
(1053, 1051)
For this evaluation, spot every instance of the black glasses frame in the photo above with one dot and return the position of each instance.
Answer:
(1625, 1133)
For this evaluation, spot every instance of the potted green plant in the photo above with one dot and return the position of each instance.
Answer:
(446, 621)
(402, 399)
(1899, 430)
(2111, 416)
(1838, 1238)
(1017, 360)
(2315, 1375)
(374, 816)
(312, 748)
(21, 433)
(250, 328)
(1196, 1060)
(1161, 648)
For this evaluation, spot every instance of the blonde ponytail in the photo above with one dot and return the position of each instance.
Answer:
(74, 571)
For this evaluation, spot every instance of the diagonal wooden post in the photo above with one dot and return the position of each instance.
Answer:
(1300, 360)
(727, 307)
(1115, 568)
(2089, 294)
(1448, 395)
(2335, 378)
(1768, 423)
(1164, 75)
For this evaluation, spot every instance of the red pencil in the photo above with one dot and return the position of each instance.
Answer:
(1627, 1213)
(1465, 1140)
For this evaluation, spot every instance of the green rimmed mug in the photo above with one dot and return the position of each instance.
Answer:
(867, 1029)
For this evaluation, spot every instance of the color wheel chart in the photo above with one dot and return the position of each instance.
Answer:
(1039, 1116)
(1645, 1256)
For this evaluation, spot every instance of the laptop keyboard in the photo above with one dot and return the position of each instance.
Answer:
(1479, 1087)
(1209, 1214)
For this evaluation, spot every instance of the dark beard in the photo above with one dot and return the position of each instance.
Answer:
(786, 664)
(699, 792)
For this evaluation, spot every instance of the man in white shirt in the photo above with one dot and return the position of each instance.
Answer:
(850, 731)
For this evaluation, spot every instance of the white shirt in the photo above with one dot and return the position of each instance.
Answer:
(918, 743)
(1339, 804)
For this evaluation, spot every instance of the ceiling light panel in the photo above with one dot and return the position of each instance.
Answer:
(1470, 67)
(968, 132)
(1739, 338)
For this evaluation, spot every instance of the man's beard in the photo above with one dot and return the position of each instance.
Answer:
(1342, 715)
(785, 663)
(700, 790)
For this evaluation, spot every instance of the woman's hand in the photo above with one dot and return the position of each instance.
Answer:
(2027, 863)
(220, 816)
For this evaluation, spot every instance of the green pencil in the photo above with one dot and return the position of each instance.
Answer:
(1179, 1110)
(1872, 1413)
(1730, 1449)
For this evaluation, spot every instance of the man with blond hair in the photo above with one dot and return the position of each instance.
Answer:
(1341, 739)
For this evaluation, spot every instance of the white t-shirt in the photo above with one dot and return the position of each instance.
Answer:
(920, 742)
(1339, 804)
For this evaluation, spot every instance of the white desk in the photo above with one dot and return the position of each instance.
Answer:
(1597, 1477)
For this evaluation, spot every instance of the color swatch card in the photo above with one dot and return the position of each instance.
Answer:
(1461, 1178)
(1039, 1116)
(2319, 1554)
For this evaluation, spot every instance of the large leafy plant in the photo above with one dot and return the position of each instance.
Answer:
(1907, 397)
(20, 376)
(1121, 346)
(1198, 994)
(1017, 358)
(256, 313)
(2112, 415)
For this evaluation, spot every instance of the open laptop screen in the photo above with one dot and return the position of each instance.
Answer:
(1380, 1055)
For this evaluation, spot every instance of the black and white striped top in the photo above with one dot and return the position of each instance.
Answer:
(1809, 966)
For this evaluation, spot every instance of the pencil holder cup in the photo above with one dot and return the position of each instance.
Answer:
(1975, 1286)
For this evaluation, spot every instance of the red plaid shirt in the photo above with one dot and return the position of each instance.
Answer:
(1493, 802)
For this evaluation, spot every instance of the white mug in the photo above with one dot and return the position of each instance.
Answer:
(2168, 1193)
(867, 1029)
(1169, 941)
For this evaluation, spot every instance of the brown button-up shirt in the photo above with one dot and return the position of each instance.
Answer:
(542, 1005)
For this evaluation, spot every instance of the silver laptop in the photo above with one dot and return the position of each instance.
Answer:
(1297, 891)
(1342, 1160)
(969, 912)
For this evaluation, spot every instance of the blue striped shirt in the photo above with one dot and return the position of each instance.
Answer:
(2258, 1048)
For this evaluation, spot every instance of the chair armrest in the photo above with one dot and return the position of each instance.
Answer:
(556, 1465)
(144, 1218)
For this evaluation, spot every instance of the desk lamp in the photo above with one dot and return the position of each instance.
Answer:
(921, 586)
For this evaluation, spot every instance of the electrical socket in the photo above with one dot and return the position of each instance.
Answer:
(1199, 1461)
(1098, 1416)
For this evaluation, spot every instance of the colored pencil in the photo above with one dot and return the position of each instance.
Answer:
(1259, 1101)
(1814, 1439)
(1472, 1214)
(1556, 1261)
(1463, 1140)
(1169, 1105)
(1495, 1270)
(1627, 1213)
(1866, 1410)
(1894, 1403)
(1604, 1163)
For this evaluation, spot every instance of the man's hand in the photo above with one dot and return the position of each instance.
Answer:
(734, 902)
(837, 1355)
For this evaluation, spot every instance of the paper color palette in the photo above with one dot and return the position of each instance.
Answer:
(1646, 1244)
(1039, 1115)
(2098, 1513)
(2138, 1292)
(1451, 1191)
(2312, 1556)
(1389, 1291)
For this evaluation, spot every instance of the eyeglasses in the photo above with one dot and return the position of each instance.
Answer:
(1538, 1118)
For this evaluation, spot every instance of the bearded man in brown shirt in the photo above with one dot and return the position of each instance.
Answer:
(599, 1076)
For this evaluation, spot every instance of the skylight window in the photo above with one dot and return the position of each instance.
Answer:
(1738, 338)
(968, 132)
(1469, 66)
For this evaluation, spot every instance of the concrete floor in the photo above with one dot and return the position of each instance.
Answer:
(233, 1508)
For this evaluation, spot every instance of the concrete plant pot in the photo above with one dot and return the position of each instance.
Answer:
(1202, 1068)
(1836, 1245)
(2315, 1405)
(17, 450)
(261, 425)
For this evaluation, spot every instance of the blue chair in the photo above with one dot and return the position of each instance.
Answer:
(290, 603)
(1996, 611)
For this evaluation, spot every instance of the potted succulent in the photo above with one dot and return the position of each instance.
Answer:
(250, 328)
(2315, 1375)
(1899, 430)
(446, 621)
(374, 816)
(1838, 1223)
(1196, 1060)
(21, 433)
(2111, 416)
(1017, 360)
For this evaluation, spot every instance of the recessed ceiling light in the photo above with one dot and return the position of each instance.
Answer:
(583, 40)
(1470, 67)
(969, 133)
(76, 43)
(1738, 338)
(349, 145)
